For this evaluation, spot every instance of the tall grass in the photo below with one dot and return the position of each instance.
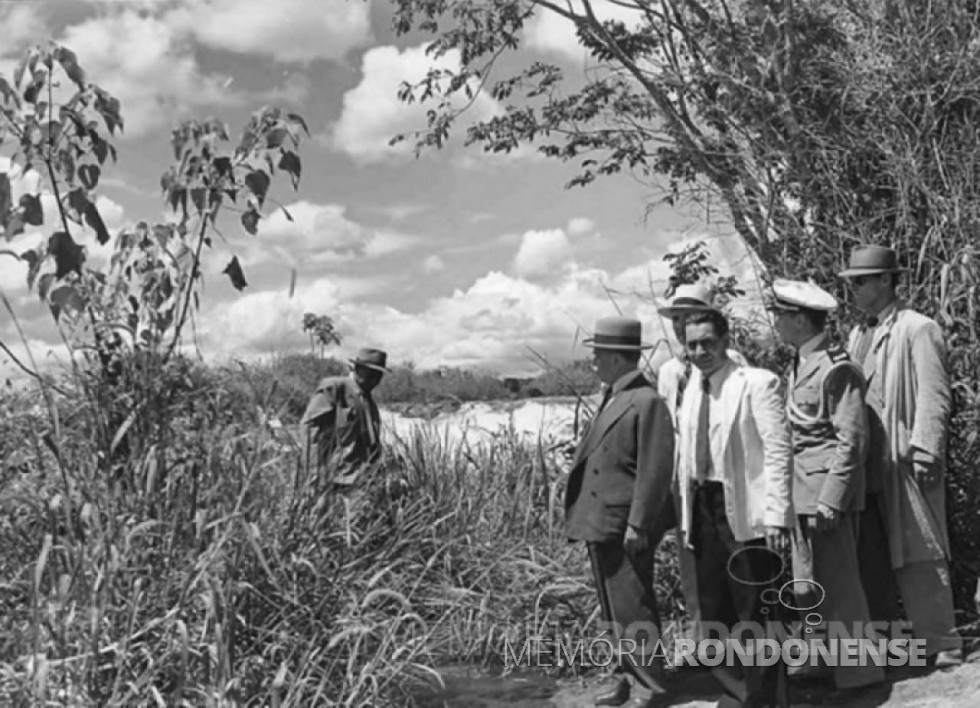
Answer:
(161, 544)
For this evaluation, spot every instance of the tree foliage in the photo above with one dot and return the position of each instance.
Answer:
(59, 128)
(817, 125)
(321, 330)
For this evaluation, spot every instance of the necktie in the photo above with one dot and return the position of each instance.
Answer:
(702, 459)
(863, 344)
(682, 384)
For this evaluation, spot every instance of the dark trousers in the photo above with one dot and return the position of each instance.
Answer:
(628, 601)
(875, 563)
(731, 576)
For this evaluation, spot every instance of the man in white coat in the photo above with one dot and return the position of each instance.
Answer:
(904, 361)
(672, 378)
(735, 486)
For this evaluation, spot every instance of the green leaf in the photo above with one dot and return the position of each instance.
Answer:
(77, 201)
(68, 255)
(44, 284)
(69, 62)
(33, 213)
(250, 220)
(65, 298)
(94, 220)
(15, 226)
(275, 137)
(199, 198)
(34, 259)
(234, 272)
(5, 199)
(101, 148)
(289, 162)
(258, 182)
(88, 175)
(298, 120)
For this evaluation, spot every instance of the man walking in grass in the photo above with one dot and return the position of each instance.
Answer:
(344, 424)
(618, 503)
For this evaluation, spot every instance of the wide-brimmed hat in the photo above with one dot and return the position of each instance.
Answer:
(687, 299)
(621, 333)
(871, 260)
(372, 359)
(796, 295)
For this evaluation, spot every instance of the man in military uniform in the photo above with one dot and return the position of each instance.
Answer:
(826, 409)
(617, 498)
(904, 360)
(344, 423)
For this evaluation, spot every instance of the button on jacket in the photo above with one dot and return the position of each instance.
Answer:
(623, 465)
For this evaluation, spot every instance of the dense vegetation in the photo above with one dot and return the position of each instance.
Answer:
(209, 569)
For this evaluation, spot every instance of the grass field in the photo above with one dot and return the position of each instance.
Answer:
(161, 544)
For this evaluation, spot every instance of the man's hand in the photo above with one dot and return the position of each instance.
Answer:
(777, 538)
(926, 473)
(826, 517)
(635, 543)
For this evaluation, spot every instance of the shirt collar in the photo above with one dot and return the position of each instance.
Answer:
(621, 383)
(810, 346)
(719, 376)
(889, 310)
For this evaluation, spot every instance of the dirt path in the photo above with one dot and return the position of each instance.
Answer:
(951, 688)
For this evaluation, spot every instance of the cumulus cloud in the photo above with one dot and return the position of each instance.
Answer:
(433, 264)
(541, 252)
(148, 65)
(287, 30)
(318, 235)
(580, 225)
(551, 33)
(372, 113)
(22, 27)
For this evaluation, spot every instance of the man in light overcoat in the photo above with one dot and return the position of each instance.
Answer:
(618, 502)
(904, 361)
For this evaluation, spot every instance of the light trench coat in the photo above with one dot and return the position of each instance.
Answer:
(909, 357)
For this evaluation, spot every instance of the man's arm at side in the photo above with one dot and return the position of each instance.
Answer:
(774, 430)
(844, 390)
(932, 405)
(654, 463)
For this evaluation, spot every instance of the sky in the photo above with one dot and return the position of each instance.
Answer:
(453, 258)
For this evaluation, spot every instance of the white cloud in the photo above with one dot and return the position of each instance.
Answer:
(372, 113)
(22, 27)
(580, 225)
(541, 252)
(319, 234)
(433, 264)
(148, 65)
(287, 30)
(550, 33)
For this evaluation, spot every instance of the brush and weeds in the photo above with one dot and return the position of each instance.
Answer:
(161, 544)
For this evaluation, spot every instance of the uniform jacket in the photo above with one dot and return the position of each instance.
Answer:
(623, 465)
(346, 426)
(826, 409)
(755, 459)
(907, 366)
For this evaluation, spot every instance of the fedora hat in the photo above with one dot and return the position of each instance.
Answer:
(688, 298)
(622, 333)
(372, 359)
(871, 260)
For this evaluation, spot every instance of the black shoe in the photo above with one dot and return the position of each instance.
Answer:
(614, 691)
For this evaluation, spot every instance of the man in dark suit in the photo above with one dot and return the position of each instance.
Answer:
(618, 502)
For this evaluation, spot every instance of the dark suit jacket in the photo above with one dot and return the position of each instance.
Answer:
(623, 466)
